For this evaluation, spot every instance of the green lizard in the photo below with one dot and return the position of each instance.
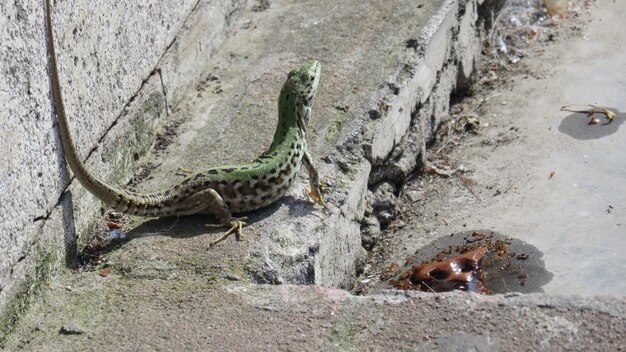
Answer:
(220, 191)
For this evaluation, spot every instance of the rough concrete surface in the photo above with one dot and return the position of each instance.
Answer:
(568, 196)
(203, 314)
(389, 68)
(533, 173)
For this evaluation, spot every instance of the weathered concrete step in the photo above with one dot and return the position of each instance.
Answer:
(199, 314)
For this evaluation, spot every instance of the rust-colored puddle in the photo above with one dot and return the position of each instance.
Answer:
(480, 261)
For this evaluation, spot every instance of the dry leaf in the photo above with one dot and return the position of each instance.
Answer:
(556, 7)
(591, 113)
(114, 225)
(445, 172)
(105, 272)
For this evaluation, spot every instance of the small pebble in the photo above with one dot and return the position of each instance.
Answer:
(117, 234)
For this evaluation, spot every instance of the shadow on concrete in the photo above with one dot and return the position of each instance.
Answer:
(196, 225)
(69, 228)
(510, 265)
(174, 227)
(576, 125)
(181, 227)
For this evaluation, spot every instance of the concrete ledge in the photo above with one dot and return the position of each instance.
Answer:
(148, 314)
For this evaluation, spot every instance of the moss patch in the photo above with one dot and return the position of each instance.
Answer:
(31, 285)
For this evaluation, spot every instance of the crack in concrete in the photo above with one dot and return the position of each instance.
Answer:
(164, 92)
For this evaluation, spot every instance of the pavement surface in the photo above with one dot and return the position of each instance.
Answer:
(565, 180)
(540, 176)
(532, 172)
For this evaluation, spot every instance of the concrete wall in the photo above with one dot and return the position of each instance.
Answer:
(119, 87)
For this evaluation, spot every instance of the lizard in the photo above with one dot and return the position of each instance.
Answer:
(223, 190)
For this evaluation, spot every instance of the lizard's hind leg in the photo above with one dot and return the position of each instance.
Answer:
(209, 201)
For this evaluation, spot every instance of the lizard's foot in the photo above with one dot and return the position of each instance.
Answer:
(236, 227)
(316, 196)
(181, 171)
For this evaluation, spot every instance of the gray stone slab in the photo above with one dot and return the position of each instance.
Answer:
(199, 313)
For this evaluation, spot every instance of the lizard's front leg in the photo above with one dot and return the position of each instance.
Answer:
(211, 202)
(313, 190)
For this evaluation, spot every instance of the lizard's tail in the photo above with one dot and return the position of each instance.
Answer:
(109, 195)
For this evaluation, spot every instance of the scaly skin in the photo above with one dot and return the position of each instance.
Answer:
(220, 191)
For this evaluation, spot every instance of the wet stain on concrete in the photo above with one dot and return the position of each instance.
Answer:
(576, 125)
(480, 261)
(461, 272)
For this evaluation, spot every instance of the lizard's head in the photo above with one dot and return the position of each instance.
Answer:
(299, 91)
(303, 82)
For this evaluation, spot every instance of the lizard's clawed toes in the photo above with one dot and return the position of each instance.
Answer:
(236, 228)
(316, 196)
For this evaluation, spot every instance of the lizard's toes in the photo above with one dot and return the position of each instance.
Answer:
(236, 227)
(316, 196)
